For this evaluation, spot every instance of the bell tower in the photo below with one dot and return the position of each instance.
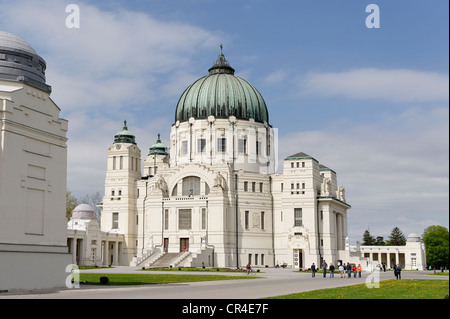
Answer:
(119, 209)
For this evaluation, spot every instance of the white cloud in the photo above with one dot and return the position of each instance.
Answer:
(276, 77)
(398, 85)
(115, 57)
(120, 64)
(394, 175)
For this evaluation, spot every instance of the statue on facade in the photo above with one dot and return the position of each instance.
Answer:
(162, 185)
(219, 181)
(326, 186)
(341, 193)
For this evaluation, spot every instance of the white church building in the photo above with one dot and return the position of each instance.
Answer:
(213, 197)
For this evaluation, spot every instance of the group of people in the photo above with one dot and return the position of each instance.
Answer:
(349, 269)
(343, 268)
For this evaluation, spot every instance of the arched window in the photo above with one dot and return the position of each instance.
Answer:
(191, 186)
(175, 190)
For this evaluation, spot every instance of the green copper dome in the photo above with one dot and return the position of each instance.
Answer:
(158, 148)
(124, 136)
(221, 94)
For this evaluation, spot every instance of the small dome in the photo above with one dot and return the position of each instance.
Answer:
(158, 148)
(13, 42)
(221, 94)
(19, 62)
(124, 136)
(413, 237)
(84, 211)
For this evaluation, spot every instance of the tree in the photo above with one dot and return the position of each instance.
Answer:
(92, 199)
(71, 203)
(379, 241)
(436, 246)
(397, 238)
(368, 240)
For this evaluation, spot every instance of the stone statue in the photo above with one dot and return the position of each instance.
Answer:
(326, 186)
(219, 181)
(341, 193)
(162, 185)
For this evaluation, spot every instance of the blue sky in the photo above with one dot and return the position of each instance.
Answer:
(372, 104)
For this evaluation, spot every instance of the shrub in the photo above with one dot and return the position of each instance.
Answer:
(104, 280)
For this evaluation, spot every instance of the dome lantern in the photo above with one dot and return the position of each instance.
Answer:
(158, 148)
(124, 136)
(221, 65)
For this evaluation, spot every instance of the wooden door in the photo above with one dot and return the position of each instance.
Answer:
(166, 245)
(184, 245)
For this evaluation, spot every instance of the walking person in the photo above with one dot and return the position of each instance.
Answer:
(331, 270)
(324, 267)
(359, 269)
(349, 270)
(398, 272)
(313, 270)
(341, 270)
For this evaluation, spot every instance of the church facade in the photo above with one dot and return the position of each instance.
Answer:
(213, 197)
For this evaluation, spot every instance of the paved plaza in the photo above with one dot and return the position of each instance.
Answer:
(275, 282)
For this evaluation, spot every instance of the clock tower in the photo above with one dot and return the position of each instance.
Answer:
(119, 210)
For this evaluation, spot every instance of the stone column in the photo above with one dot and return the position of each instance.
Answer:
(74, 249)
(82, 252)
(339, 231)
(116, 253)
(106, 253)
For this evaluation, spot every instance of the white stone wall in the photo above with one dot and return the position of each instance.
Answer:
(33, 167)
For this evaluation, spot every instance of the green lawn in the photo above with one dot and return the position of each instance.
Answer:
(390, 289)
(439, 274)
(148, 279)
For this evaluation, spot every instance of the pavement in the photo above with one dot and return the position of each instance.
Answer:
(274, 282)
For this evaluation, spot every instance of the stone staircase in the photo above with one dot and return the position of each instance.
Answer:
(165, 261)
(185, 259)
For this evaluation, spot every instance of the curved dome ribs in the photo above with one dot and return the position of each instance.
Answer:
(262, 109)
(221, 94)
